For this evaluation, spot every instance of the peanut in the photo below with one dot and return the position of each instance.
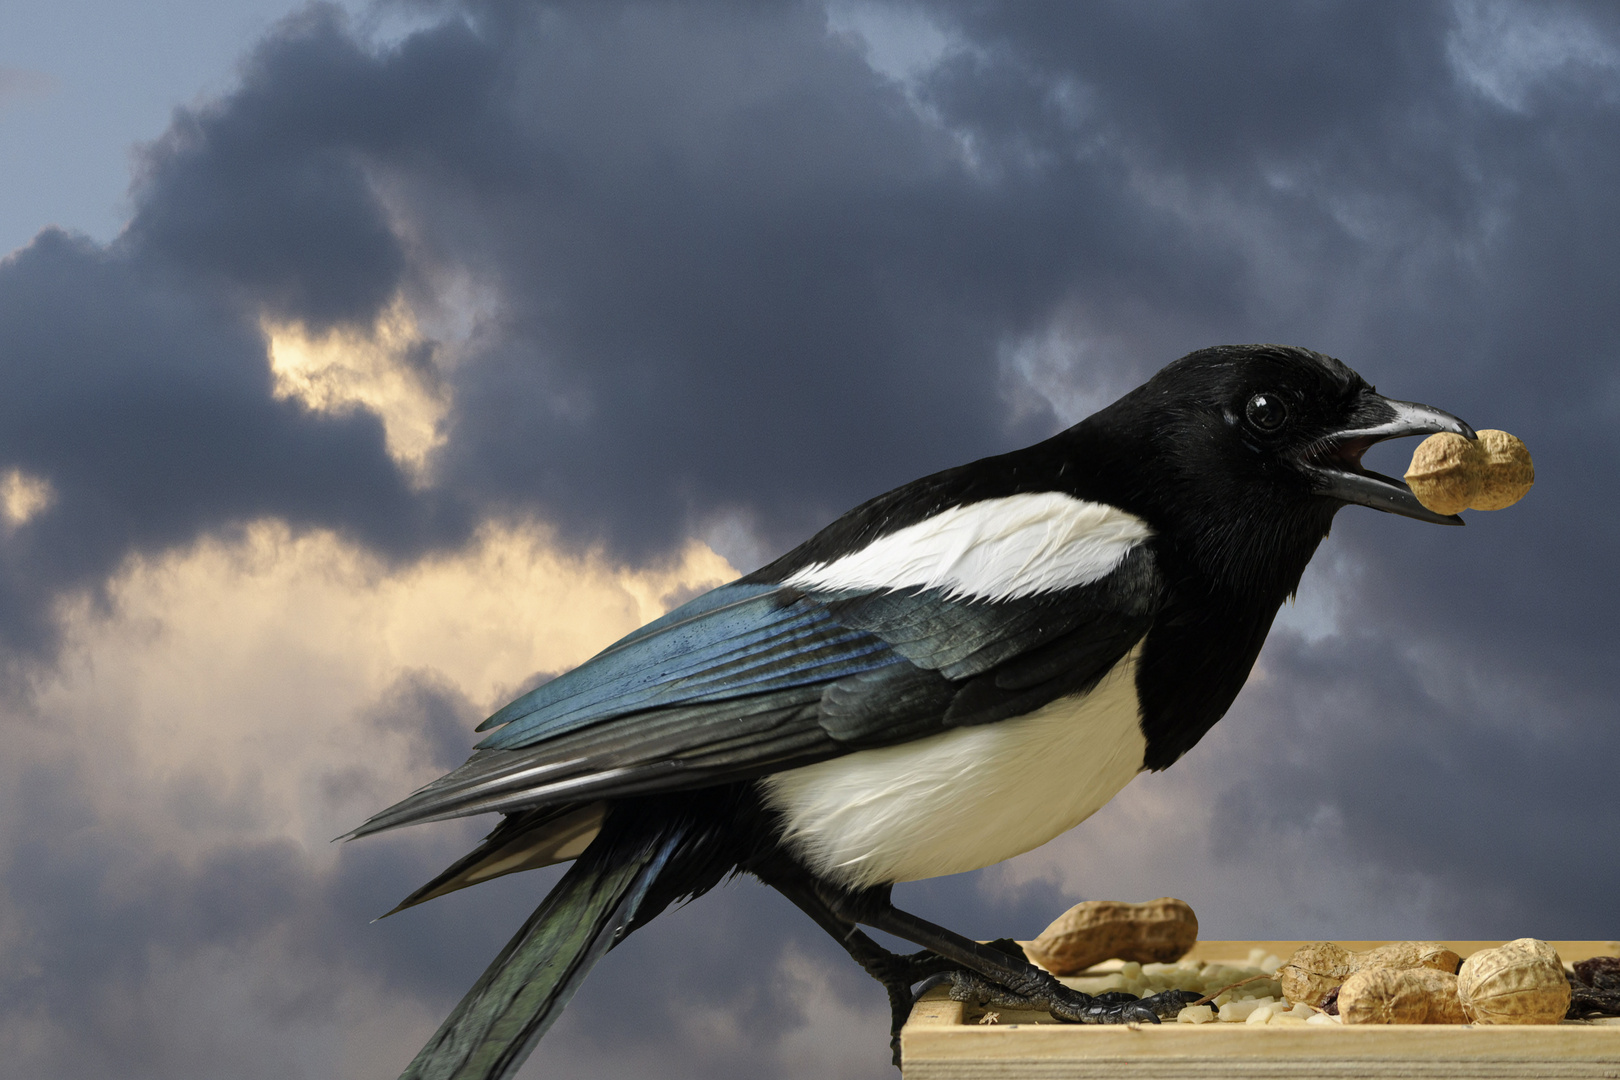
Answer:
(1158, 931)
(1384, 995)
(1320, 967)
(1450, 474)
(1522, 982)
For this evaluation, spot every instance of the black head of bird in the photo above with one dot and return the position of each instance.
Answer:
(1245, 453)
(950, 674)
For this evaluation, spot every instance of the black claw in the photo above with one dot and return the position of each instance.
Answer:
(1136, 1012)
(929, 983)
(1171, 1002)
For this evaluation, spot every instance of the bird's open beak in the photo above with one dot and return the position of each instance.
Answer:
(1334, 463)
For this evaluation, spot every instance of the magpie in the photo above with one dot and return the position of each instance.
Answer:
(949, 675)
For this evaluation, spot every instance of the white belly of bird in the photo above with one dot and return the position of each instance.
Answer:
(967, 797)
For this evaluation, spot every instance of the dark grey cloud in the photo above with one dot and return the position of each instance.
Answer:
(759, 244)
(730, 269)
(144, 398)
(1440, 767)
(111, 919)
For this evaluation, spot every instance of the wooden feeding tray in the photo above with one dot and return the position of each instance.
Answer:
(945, 1039)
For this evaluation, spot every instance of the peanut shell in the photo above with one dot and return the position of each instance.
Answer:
(1522, 982)
(1411, 954)
(1508, 474)
(1156, 932)
(1445, 472)
(1321, 967)
(1313, 971)
(1450, 474)
(1386, 995)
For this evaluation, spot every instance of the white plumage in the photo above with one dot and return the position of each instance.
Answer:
(995, 549)
(964, 798)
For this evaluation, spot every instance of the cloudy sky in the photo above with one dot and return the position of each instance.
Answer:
(360, 366)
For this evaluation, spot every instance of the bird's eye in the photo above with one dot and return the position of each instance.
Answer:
(1266, 412)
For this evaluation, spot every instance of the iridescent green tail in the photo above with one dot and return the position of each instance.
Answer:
(498, 1023)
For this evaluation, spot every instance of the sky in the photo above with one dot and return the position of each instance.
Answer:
(362, 366)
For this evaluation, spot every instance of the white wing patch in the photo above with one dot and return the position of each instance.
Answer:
(964, 798)
(996, 549)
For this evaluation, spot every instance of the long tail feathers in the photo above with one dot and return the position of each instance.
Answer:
(492, 1031)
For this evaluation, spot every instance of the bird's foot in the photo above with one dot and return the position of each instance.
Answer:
(900, 972)
(1046, 994)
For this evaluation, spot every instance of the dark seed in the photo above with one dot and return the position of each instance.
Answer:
(1585, 1001)
(1600, 972)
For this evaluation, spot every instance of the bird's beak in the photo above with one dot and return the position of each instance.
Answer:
(1334, 463)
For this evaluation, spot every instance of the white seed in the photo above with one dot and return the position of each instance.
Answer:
(1195, 1014)
(1237, 1012)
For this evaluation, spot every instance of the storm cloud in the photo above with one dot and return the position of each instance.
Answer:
(429, 363)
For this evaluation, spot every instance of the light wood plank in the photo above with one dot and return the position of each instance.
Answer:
(939, 1042)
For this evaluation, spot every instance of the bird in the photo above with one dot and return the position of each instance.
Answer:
(949, 675)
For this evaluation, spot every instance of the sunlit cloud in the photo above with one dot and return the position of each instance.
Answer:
(387, 368)
(219, 714)
(241, 687)
(23, 497)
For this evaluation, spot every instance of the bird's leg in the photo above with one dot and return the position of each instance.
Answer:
(897, 973)
(996, 973)
(1036, 988)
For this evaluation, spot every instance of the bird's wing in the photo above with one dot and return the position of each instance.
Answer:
(735, 641)
(753, 678)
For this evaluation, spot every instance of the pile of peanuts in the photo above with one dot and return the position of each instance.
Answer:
(1423, 982)
(1405, 982)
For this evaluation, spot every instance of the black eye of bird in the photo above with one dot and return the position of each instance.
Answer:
(1266, 412)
